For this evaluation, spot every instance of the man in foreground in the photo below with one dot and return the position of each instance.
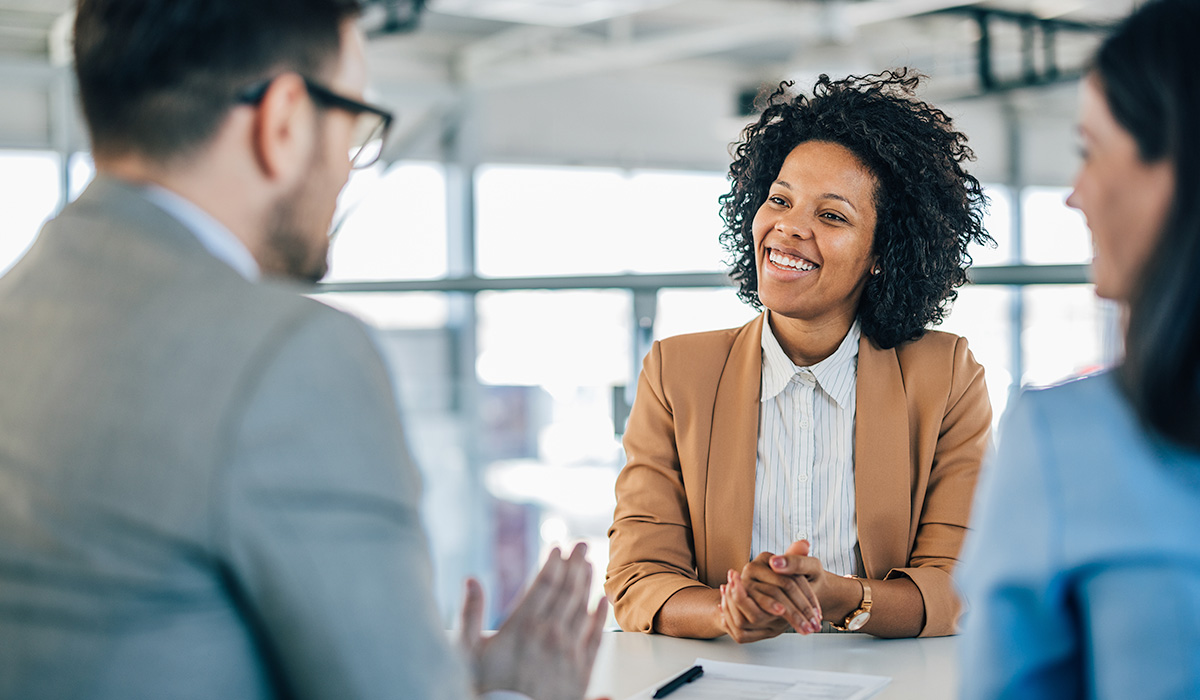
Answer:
(204, 490)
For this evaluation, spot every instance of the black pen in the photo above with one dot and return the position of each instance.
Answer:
(679, 681)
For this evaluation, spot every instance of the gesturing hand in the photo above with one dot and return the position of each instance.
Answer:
(548, 644)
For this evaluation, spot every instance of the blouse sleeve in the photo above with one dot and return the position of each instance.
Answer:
(943, 515)
(1018, 640)
(651, 551)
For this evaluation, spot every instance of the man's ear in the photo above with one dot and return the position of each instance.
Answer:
(283, 131)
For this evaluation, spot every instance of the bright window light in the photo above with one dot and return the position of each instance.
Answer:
(29, 194)
(1069, 331)
(997, 221)
(392, 225)
(555, 339)
(694, 310)
(1053, 232)
(582, 221)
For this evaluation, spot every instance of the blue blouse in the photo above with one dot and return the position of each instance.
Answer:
(1082, 570)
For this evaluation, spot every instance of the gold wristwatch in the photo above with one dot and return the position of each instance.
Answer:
(859, 616)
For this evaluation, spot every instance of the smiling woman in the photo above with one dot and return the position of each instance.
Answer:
(813, 239)
(815, 467)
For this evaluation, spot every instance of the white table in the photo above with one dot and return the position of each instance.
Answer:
(923, 669)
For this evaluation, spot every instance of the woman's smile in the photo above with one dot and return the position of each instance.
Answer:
(790, 262)
(814, 233)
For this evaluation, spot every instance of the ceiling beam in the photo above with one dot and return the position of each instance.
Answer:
(537, 55)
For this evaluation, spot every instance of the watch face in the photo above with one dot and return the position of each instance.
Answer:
(858, 621)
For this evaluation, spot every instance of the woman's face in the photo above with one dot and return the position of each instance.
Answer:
(1124, 199)
(813, 235)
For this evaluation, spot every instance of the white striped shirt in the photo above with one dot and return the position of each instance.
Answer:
(804, 480)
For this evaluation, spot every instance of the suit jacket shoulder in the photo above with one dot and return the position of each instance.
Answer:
(690, 366)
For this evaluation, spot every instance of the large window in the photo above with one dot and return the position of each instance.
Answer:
(1054, 233)
(30, 190)
(391, 224)
(514, 400)
(584, 221)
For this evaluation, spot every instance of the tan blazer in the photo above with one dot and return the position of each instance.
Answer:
(685, 499)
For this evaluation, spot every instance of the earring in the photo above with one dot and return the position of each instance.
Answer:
(876, 270)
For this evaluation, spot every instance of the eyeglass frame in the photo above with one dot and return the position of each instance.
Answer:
(254, 94)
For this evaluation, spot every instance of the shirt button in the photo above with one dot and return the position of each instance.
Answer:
(803, 478)
(801, 535)
(804, 423)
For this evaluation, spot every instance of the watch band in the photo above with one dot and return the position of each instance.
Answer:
(864, 608)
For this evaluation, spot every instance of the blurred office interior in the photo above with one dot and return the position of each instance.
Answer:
(547, 207)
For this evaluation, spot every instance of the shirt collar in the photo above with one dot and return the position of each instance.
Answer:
(216, 239)
(835, 374)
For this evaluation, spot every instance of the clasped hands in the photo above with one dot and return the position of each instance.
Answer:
(772, 593)
(547, 646)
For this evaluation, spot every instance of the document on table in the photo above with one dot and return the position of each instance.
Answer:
(729, 681)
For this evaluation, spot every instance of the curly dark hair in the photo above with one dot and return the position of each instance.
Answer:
(928, 208)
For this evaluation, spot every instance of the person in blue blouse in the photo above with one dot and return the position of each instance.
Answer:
(1082, 575)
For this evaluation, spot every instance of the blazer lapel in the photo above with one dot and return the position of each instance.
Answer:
(882, 470)
(732, 458)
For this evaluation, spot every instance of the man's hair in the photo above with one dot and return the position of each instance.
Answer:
(157, 77)
(928, 208)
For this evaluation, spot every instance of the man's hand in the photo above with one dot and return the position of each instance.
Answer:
(546, 647)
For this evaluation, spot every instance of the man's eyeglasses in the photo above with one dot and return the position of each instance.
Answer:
(371, 127)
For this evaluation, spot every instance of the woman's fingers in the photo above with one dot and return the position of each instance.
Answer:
(744, 604)
(735, 622)
(795, 565)
(788, 596)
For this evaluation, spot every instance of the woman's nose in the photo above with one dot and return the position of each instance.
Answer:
(1073, 199)
(793, 226)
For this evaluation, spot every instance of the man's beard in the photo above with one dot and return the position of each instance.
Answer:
(290, 237)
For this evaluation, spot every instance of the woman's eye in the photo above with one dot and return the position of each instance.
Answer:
(777, 200)
(833, 217)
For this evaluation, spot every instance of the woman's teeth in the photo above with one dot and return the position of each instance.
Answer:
(788, 261)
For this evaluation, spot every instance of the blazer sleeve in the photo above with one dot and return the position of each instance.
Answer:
(651, 549)
(317, 521)
(943, 516)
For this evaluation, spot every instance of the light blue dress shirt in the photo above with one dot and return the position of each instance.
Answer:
(213, 235)
(1082, 571)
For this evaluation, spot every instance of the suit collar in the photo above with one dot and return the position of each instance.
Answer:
(882, 463)
(131, 219)
(212, 234)
(733, 451)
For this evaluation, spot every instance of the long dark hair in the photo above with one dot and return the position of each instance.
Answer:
(928, 208)
(1148, 70)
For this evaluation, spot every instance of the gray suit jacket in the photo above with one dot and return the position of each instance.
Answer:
(204, 489)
